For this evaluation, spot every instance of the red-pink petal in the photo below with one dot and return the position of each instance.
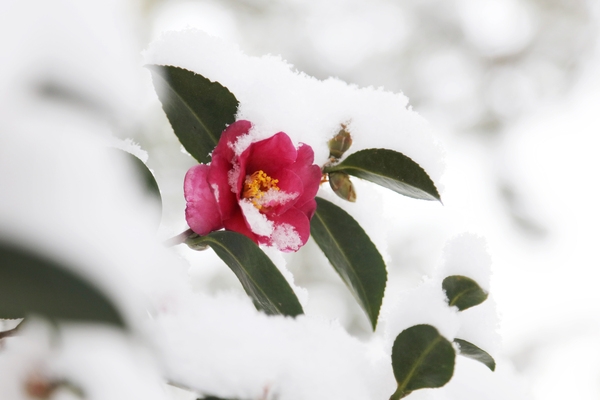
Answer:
(218, 177)
(291, 232)
(270, 155)
(229, 137)
(308, 208)
(289, 184)
(201, 211)
(237, 223)
(309, 173)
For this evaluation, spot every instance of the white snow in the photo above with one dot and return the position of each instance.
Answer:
(232, 177)
(276, 98)
(273, 197)
(285, 237)
(242, 143)
(258, 222)
(61, 195)
(467, 255)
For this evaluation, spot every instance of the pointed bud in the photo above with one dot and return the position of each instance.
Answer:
(342, 186)
(340, 143)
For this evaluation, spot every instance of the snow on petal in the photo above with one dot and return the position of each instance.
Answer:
(258, 222)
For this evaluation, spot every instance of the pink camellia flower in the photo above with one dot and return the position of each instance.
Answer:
(265, 190)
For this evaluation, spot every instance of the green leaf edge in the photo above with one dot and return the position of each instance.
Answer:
(400, 391)
(372, 318)
(156, 70)
(110, 313)
(352, 170)
(212, 240)
(476, 288)
(468, 349)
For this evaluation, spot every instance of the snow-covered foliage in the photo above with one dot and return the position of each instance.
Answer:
(73, 84)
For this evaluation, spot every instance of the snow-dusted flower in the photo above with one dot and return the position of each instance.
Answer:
(264, 190)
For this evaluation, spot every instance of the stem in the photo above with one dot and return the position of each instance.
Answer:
(399, 393)
(179, 239)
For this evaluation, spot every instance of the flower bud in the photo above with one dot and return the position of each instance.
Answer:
(339, 143)
(342, 186)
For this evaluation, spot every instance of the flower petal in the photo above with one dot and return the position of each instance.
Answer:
(219, 177)
(228, 138)
(201, 212)
(270, 155)
(237, 223)
(291, 230)
(309, 174)
(308, 208)
(290, 190)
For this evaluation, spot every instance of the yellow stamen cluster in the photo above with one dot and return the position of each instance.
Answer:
(256, 185)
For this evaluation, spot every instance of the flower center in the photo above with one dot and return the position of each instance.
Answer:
(257, 185)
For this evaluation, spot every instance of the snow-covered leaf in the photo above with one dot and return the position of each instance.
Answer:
(34, 285)
(421, 358)
(353, 255)
(468, 349)
(198, 109)
(260, 278)
(389, 169)
(463, 292)
(145, 176)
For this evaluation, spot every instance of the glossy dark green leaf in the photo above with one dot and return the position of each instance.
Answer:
(463, 292)
(34, 285)
(260, 278)
(421, 358)
(468, 349)
(198, 109)
(351, 252)
(389, 169)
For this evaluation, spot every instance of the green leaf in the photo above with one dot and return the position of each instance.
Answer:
(260, 278)
(468, 349)
(389, 169)
(421, 358)
(198, 109)
(463, 292)
(351, 252)
(32, 284)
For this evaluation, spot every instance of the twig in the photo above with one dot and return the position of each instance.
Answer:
(179, 239)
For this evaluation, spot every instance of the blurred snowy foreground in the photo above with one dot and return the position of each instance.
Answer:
(64, 98)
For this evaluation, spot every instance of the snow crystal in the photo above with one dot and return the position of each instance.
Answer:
(242, 143)
(232, 177)
(274, 197)
(286, 237)
(258, 222)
